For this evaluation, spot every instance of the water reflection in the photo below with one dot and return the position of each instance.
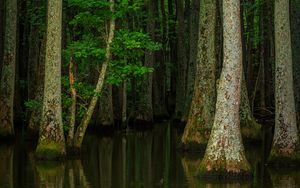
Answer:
(135, 159)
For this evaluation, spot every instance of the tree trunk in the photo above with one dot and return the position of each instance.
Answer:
(285, 140)
(145, 108)
(51, 174)
(2, 24)
(225, 155)
(193, 42)
(81, 129)
(51, 144)
(201, 115)
(105, 113)
(36, 114)
(7, 82)
(181, 67)
(295, 30)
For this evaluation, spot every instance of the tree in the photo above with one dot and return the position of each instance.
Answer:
(51, 143)
(225, 153)
(285, 141)
(7, 82)
(202, 110)
(80, 131)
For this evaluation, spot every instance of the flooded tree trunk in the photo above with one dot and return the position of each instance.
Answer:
(105, 113)
(201, 115)
(192, 61)
(51, 144)
(249, 128)
(51, 174)
(225, 155)
(6, 166)
(181, 68)
(285, 140)
(145, 108)
(7, 81)
(36, 114)
(81, 129)
(295, 30)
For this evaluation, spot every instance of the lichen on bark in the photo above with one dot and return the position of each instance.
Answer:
(225, 156)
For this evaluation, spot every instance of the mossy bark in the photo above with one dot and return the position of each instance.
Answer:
(51, 143)
(225, 156)
(202, 110)
(285, 141)
(6, 166)
(2, 22)
(7, 81)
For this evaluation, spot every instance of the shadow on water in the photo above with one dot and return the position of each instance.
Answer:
(132, 159)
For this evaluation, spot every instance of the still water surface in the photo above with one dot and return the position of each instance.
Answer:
(135, 159)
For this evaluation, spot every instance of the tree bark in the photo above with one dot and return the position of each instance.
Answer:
(51, 144)
(201, 115)
(225, 155)
(7, 82)
(295, 30)
(105, 113)
(2, 25)
(285, 140)
(81, 129)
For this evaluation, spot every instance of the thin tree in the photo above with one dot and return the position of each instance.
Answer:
(285, 140)
(51, 144)
(7, 82)
(81, 129)
(225, 155)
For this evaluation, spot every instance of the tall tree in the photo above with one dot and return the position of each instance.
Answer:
(285, 140)
(295, 30)
(7, 82)
(51, 144)
(181, 62)
(201, 115)
(225, 153)
(80, 131)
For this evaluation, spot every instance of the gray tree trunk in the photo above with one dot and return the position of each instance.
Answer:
(225, 155)
(51, 144)
(202, 110)
(285, 140)
(7, 82)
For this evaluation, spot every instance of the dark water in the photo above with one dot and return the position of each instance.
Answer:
(136, 159)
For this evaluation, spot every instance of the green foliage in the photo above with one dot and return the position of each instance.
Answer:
(33, 105)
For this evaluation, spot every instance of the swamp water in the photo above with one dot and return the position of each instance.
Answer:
(135, 159)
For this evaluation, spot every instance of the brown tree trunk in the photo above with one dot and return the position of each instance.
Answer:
(7, 81)
(105, 113)
(181, 68)
(224, 155)
(295, 30)
(2, 24)
(36, 114)
(201, 115)
(51, 144)
(285, 141)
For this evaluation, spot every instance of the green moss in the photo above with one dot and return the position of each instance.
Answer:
(251, 130)
(50, 151)
(222, 169)
(277, 159)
